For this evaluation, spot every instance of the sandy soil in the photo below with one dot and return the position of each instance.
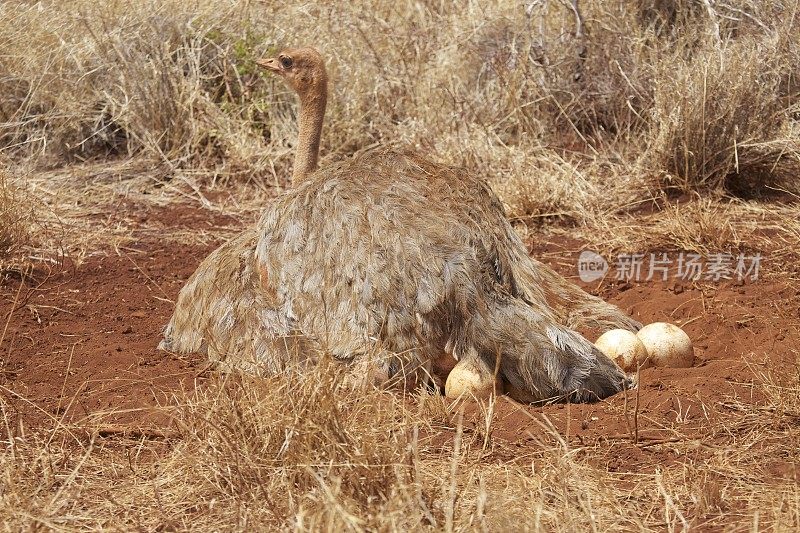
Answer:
(81, 343)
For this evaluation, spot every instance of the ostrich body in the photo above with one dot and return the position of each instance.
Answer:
(394, 262)
(224, 313)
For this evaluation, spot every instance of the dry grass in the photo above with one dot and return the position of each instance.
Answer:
(577, 119)
(101, 207)
(722, 117)
(704, 226)
(704, 94)
(15, 217)
(252, 454)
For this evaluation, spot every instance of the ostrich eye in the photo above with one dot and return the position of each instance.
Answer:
(286, 62)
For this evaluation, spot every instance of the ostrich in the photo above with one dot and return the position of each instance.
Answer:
(391, 261)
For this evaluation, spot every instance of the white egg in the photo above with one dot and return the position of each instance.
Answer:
(667, 344)
(472, 377)
(625, 348)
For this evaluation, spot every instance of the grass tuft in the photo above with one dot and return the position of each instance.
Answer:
(15, 218)
(723, 122)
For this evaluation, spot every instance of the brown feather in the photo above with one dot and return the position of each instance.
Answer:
(224, 312)
(391, 257)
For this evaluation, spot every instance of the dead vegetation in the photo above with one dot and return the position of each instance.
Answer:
(588, 121)
(722, 117)
(690, 94)
(315, 455)
(15, 217)
(704, 226)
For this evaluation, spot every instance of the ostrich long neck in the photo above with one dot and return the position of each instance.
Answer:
(312, 113)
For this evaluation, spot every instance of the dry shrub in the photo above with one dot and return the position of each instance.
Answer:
(721, 111)
(477, 85)
(255, 456)
(171, 81)
(706, 226)
(539, 185)
(702, 226)
(547, 188)
(295, 448)
(587, 72)
(314, 454)
(176, 83)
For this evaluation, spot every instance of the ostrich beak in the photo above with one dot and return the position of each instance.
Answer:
(272, 64)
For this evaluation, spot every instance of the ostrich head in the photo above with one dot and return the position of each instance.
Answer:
(302, 68)
(304, 71)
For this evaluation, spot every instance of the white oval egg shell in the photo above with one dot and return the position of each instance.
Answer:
(625, 348)
(471, 378)
(668, 345)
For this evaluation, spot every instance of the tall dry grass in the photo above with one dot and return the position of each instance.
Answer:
(15, 217)
(686, 93)
(310, 455)
(723, 115)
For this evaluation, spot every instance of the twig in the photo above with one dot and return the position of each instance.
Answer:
(143, 273)
(11, 312)
(450, 504)
(712, 16)
(625, 436)
(114, 430)
(636, 408)
(573, 5)
(204, 370)
(625, 411)
(748, 15)
(417, 485)
(569, 403)
(660, 441)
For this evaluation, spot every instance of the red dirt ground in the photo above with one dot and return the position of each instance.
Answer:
(81, 341)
